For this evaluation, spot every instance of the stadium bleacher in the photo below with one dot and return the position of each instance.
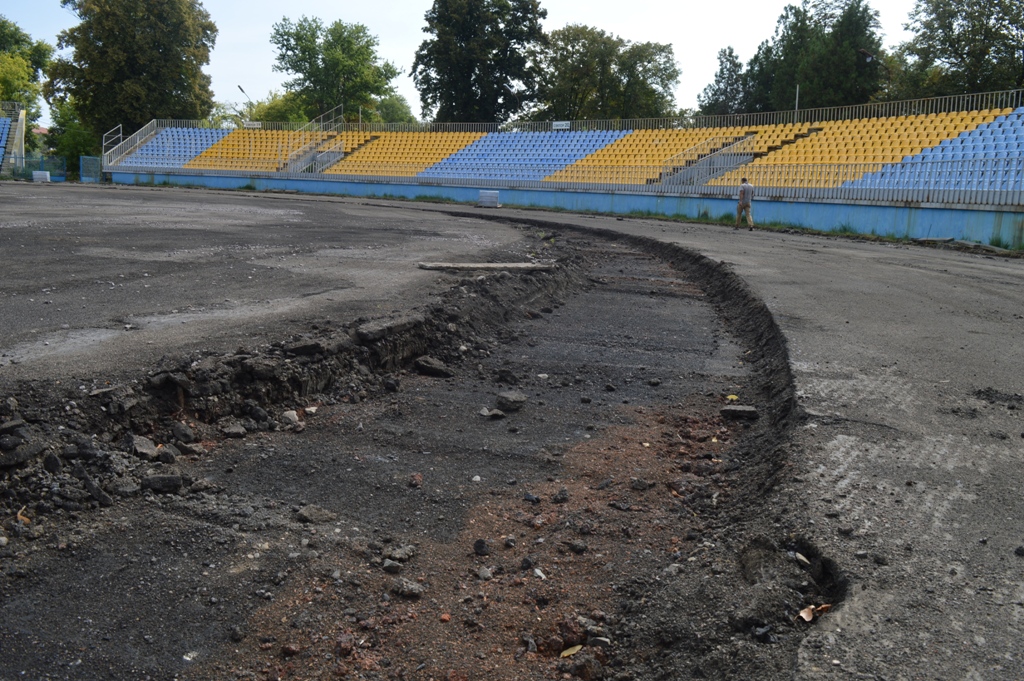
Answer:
(990, 156)
(402, 154)
(865, 144)
(901, 151)
(5, 131)
(255, 150)
(174, 147)
(521, 155)
(641, 156)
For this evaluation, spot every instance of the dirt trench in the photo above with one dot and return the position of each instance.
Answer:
(555, 491)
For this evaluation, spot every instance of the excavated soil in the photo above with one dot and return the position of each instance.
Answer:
(532, 477)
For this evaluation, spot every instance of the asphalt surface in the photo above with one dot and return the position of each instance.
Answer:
(116, 277)
(908, 363)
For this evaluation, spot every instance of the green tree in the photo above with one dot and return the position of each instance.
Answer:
(725, 95)
(481, 62)
(977, 44)
(821, 46)
(334, 65)
(590, 74)
(579, 78)
(395, 109)
(836, 70)
(13, 40)
(22, 62)
(648, 74)
(275, 108)
(69, 137)
(129, 77)
(759, 79)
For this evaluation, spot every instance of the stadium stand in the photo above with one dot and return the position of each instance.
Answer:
(402, 154)
(174, 147)
(521, 155)
(989, 157)
(255, 150)
(641, 156)
(5, 131)
(867, 144)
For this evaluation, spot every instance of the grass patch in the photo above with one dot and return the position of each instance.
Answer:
(845, 228)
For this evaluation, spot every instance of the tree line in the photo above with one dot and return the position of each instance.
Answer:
(490, 60)
(832, 51)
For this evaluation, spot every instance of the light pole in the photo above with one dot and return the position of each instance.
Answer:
(519, 103)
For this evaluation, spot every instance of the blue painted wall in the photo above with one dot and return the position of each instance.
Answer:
(985, 226)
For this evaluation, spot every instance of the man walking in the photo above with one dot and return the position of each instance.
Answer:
(746, 196)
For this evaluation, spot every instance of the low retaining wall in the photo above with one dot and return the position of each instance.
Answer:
(925, 221)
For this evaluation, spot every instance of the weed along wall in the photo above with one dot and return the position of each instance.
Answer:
(1003, 227)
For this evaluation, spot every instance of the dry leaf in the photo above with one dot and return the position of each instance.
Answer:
(732, 398)
(822, 609)
(569, 652)
(23, 518)
(800, 558)
(807, 614)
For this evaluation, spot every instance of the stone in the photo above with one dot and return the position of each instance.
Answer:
(315, 515)
(561, 497)
(143, 447)
(9, 442)
(392, 566)
(492, 413)
(429, 366)
(379, 329)
(232, 429)
(52, 463)
(578, 547)
(8, 427)
(291, 417)
(182, 433)
(22, 454)
(485, 574)
(1019, 551)
(407, 588)
(739, 411)
(163, 483)
(511, 401)
(481, 547)
(167, 453)
(402, 554)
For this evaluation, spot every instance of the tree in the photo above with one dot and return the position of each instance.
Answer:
(590, 74)
(821, 46)
(395, 109)
(334, 65)
(978, 44)
(22, 61)
(481, 63)
(153, 70)
(15, 41)
(836, 71)
(69, 137)
(579, 79)
(725, 95)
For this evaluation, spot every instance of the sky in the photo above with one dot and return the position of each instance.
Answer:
(243, 55)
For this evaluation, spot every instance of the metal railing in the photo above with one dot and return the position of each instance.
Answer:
(979, 182)
(709, 159)
(11, 109)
